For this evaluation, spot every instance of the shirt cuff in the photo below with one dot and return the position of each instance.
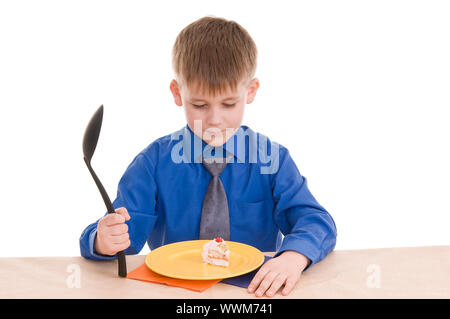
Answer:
(91, 247)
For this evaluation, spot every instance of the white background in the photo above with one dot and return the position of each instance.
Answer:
(358, 91)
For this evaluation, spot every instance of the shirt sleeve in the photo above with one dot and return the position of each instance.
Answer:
(137, 192)
(307, 227)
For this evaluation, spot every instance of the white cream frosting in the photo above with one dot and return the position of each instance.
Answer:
(216, 253)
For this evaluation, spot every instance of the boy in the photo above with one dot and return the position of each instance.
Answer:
(215, 177)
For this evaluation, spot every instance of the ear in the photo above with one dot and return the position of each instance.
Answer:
(252, 89)
(174, 88)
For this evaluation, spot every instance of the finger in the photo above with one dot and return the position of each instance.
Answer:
(290, 284)
(120, 238)
(122, 246)
(118, 229)
(113, 219)
(265, 284)
(276, 284)
(257, 279)
(124, 212)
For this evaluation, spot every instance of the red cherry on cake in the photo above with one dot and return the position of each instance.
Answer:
(219, 240)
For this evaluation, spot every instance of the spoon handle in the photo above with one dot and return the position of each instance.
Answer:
(111, 210)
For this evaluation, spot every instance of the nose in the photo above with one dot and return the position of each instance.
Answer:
(214, 117)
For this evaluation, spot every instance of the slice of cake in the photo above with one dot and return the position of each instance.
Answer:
(216, 252)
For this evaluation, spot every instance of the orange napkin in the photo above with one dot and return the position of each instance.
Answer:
(145, 274)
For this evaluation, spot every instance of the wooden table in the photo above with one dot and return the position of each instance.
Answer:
(412, 272)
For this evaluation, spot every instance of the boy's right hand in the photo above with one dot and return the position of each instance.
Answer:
(112, 233)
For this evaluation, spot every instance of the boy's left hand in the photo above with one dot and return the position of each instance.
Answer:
(284, 269)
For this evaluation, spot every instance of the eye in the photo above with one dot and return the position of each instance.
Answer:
(198, 106)
(229, 105)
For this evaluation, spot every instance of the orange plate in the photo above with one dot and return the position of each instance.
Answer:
(183, 260)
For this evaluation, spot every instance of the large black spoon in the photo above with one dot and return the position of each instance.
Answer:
(90, 140)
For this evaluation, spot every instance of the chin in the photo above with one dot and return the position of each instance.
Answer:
(215, 142)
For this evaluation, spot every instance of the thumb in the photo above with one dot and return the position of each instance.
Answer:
(124, 212)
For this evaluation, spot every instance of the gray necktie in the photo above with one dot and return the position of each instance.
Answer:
(215, 221)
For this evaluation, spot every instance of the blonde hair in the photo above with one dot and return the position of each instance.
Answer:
(213, 54)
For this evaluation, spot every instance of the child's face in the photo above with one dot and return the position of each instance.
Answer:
(215, 118)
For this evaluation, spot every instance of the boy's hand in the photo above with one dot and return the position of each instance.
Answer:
(284, 269)
(112, 233)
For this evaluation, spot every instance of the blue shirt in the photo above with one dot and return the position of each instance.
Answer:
(269, 202)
